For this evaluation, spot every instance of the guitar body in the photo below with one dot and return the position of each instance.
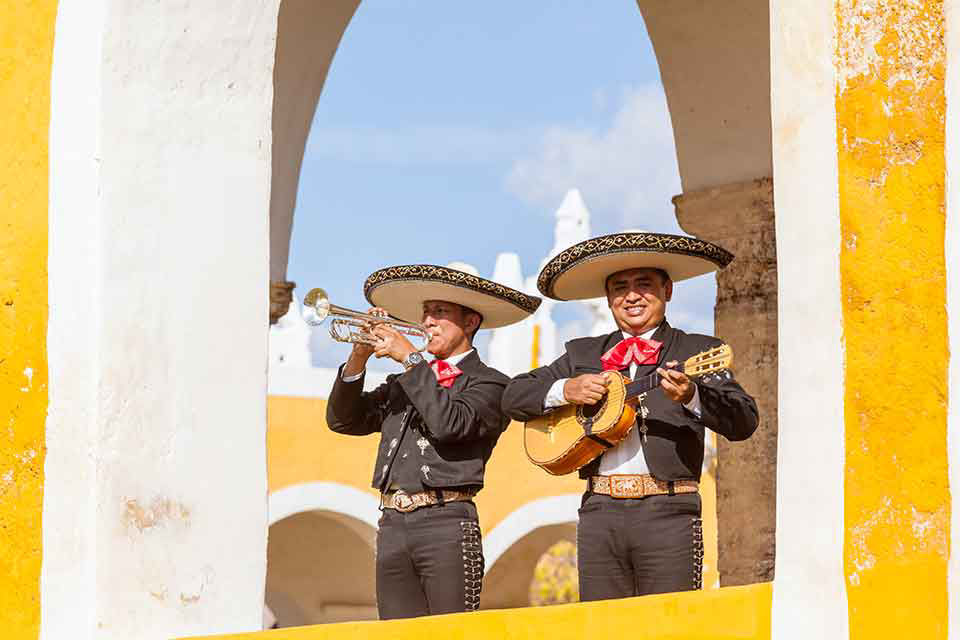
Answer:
(558, 442)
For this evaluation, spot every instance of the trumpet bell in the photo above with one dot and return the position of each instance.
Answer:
(318, 303)
(354, 327)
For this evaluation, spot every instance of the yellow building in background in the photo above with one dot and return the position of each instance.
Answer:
(323, 518)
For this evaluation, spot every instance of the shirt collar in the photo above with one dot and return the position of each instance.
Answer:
(454, 360)
(646, 335)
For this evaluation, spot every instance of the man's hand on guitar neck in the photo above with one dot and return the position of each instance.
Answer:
(676, 384)
(588, 388)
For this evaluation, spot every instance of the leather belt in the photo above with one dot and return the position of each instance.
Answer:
(405, 502)
(639, 486)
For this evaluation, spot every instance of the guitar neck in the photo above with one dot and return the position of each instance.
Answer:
(643, 384)
(713, 360)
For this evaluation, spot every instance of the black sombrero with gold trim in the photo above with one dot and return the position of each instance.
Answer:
(580, 272)
(403, 289)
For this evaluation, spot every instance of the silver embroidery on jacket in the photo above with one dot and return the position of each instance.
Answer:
(426, 471)
(423, 443)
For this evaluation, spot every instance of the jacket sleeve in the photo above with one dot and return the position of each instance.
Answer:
(726, 408)
(354, 412)
(524, 396)
(472, 414)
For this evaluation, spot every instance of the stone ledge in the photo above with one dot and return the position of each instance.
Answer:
(729, 613)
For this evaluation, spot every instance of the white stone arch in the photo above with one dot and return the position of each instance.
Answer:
(320, 555)
(324, 496)
(173, 115)
(512, 548)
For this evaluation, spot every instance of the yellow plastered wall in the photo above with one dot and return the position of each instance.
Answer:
(26, 53)
(301, 449)
(741, 613)
(890, 134)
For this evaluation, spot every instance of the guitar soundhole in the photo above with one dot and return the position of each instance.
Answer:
(588, 411)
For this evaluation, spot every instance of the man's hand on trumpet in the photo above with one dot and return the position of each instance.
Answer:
(361, 352)
(391, 343)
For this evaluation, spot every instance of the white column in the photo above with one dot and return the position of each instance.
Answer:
(809, 591)
(952, 250)
(155, 512)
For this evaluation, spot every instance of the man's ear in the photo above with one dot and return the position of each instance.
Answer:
(669, 291)
(475, 322)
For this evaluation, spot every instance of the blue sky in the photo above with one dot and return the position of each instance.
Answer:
(447, 131)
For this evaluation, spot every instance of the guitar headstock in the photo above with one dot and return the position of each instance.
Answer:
(709, 361)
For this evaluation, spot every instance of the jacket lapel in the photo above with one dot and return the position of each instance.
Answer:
(589, 361)
(666, 336)
(470, 364)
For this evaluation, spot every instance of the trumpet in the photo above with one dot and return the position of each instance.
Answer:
(351, 326)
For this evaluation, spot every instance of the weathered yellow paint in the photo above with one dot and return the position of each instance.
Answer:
(741, 613)
(890, 132)
(26, 53)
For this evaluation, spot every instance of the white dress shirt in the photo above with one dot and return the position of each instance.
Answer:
(452, 360)
(627, 456)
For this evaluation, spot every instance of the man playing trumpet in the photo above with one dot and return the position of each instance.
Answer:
(438, 423)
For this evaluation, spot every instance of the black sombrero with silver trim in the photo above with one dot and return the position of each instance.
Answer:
(403, 289)
(580, 272)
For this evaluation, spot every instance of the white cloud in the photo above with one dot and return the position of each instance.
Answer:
(627, 171)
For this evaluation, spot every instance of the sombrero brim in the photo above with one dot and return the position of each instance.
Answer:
(580, 272)
(402, 290)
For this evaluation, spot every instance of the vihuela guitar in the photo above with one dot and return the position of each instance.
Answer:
(572, 436)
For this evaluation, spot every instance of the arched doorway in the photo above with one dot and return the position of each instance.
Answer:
(513, 548)
(320, 568)
(721, 198)
(320, 555)
(507, 582)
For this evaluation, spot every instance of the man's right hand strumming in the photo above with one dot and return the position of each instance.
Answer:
(588, 388)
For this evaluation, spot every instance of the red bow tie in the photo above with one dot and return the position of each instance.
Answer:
(631, 351)
(446, 373)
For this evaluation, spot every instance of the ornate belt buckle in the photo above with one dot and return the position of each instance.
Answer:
(403, 501)
(625, 486)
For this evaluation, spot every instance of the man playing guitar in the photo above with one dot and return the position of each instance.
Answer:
(640, 529)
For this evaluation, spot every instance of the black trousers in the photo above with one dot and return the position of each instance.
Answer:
(429, 561)
(635, 547)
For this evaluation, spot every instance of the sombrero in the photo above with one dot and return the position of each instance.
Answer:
(403, 289)
(580, 272)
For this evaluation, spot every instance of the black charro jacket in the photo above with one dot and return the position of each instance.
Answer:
(430, 437)
(673, 447)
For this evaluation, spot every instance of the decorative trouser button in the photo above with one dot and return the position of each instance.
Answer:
(472, 564)
(697, 525)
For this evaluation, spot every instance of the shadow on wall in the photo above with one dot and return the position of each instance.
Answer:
(320, 568)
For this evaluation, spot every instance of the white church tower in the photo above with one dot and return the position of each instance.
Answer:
(535, 341)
